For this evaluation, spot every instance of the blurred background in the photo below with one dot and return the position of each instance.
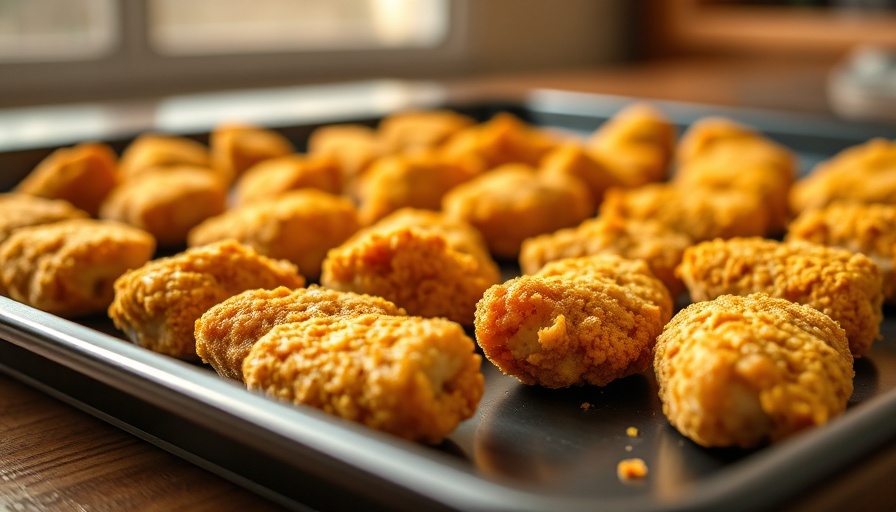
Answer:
(819, 55)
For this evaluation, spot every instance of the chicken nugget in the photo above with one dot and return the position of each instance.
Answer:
(82, 175)
(646, 239)
(352, 146)
(167, 203)
(415, 130)
(572, 159)
(67, 268)
(299, 226)
(700, 213)
(742, 371)
(843, 285)
(513, 203)
(709, 134)
(416, 378)
(23, 210)
(503, 139)
(866, 228)
(424, 264)
(235, 147)
(226, 332)
(277, 176)
(566, 330)
(157, 305)
(152, 150)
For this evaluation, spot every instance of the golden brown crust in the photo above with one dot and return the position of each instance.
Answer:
(503, 139)
(157, 304)
(413, 377)
(277, 176)
(67, 268)
(235, 147)
(571, 159)
(739, 371)
(152, 150)
(841, 284)
(23, 210)
(420, 129)
(226, 332)
(353, 146)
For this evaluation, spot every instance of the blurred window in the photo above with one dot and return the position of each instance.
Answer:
(35, 30)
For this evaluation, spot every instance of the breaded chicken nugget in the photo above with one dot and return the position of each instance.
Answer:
(225, 333)
(420, 129)
(571, 159)
(235, 147)
(353, 146)
(707, 135)
(513, 203)
(503, 139)
(741, 371)
(416, 378)
(22, 210)
(657, 244)
(276, 176)
(299, 226)
(82, 175)
(167, 203)
(157, 305)
(427, 264)
(152, 150)
(866, 228)
(635, 145)
(563, 330)
(843, 285)
(67, 268)
(700, 213)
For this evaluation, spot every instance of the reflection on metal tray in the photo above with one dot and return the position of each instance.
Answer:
(527, 448)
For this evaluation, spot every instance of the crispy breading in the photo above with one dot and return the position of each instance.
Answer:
(353, 146)
(741, 371)
(152, 150)
(513, 203)
(226, 332)
(503, 139)
(845, 286)
(866, 228)
(235, 147)
(276, 176)
(416, 378)
(571, 159)
(67, 268)
(22, 210)
(82, 175)
(157, 305)
(415, 130)
(700, 213)
(299, 226)
(657, 244)
(424, 262)
(167, 203)
(563, 330)
(707, 135)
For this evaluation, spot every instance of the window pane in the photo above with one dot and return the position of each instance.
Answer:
(56, 29)
(196, 27)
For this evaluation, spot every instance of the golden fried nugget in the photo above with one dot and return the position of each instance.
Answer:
(571, 159)
(700, 213)
(23, 210)
(843, 285)
(657, 244)
(866, 228)
(235, 147)
(503, 139)
(635, 145)
(420, 129)
(276, 176)
(167, 203)
(741, 371)
(417, 180)
(67, 268)
(865, 173)
(152, 150)
(562, 330)
(82, 175)
(708, 134)
(299, 226)
(513, 203)
(226, 332)
(353, 146)
(426, 263)
(157, 305)
(416, 378)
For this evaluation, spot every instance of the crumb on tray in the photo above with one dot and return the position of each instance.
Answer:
(630, 469)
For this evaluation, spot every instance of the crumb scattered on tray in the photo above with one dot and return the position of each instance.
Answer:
(585, 406)
(632, 432)
(631, 469)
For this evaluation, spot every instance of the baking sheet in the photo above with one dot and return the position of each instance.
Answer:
(527, 448)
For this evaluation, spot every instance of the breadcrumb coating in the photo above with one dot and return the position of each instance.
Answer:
(277, 176)
(503, 139)
(416, 378)
(82, 175)
(235, 147)
(152, 150)
(866, 228)
(421, 262)
(226, 332)
(167, 203)
(157, 305)
(843, 285)
(571, 159)
(742, 371)
(67, 268)
(353, 146)
(657, 244)
(23, 210)
(562, 330)
(416, 130)
(700, 213)
(299, 226)
(709, 134)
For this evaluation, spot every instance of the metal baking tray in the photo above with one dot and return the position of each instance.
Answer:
(527, 448)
